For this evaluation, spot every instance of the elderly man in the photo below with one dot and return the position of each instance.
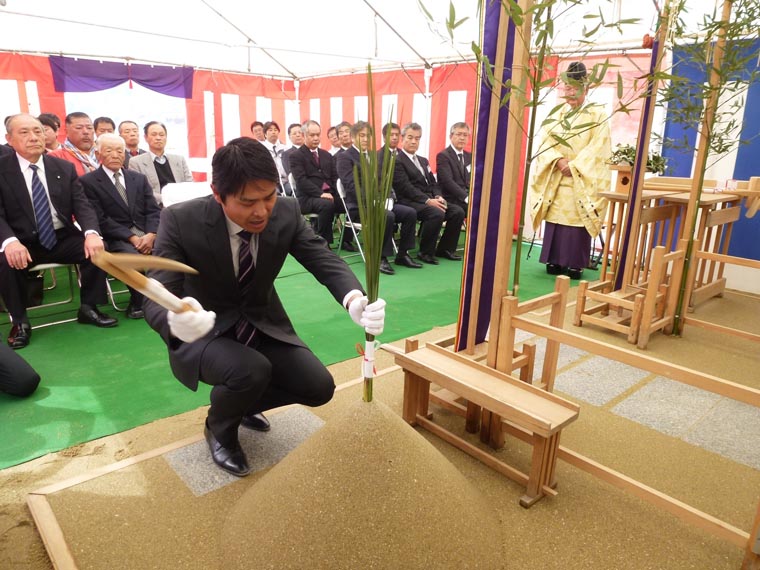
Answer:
(160, 168)
(79, 146)
(39, 197)
(127, 211)
(417, 188)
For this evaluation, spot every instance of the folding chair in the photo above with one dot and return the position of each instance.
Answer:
(311, 218)
(355, 227)
(52, 268)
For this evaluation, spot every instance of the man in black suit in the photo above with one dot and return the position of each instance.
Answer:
(296, 139)
(453, 164)
(315, 177)
(17, 377)
(398, 214)
(127, 211)
(416, 187)
(39, 196)
(244, 344)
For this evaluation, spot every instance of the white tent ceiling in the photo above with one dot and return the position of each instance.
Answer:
(288, 38)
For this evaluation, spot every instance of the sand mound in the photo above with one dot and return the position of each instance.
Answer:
(366, 491)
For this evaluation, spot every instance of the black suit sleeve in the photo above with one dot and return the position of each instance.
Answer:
(110, 229)
(79, 206)
(405, 190)
(301, 172)
(345, 168)
(447, 178)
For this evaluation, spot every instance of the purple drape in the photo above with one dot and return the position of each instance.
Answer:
(85, 75)
(495, 125)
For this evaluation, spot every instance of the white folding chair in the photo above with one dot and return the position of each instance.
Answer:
(355, 227)
(52, 268)
(177, 192)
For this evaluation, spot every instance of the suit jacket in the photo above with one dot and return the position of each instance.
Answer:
(452, 178)
(127, 156)
(309, 177)
(409, 183)
(65, 191)
(195, 232)
(345, 166)
(114, 216)
(143, 163)
(285, 157)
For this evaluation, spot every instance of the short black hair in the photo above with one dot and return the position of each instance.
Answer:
(388, 127)
(270, 124)
(238, 162)
(76, 115)
(108, 120)
(256, 124)
(50, 120)
(149, 124)
(291, 126)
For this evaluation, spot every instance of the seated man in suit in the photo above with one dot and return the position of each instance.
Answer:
(403, 215)
(79, 146)
(315, 177)
(296, 140)
(453, 164)
(39, 197)
(239, 338)
(160, 168)
(416, 187)
(127, 211)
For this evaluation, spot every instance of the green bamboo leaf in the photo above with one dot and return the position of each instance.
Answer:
(620, 86)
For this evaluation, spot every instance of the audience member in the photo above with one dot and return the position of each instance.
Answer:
(453, 165)
(416, 187)
(17, 377)
(130, 132)
(343, 130)
(79, 146)
(240, 339)
(315, 178)
(272, 142)
(127, 211)
(403, 215)
(51, 124)
(160, 168)
(257, 130)
(37, 186)
(332, 136)
(104, 125)
(295, 134)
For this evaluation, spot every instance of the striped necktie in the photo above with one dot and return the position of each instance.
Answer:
(45, 228)
(244, 329)
(120, 187)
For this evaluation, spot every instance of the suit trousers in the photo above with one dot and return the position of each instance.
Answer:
(249, 380)
(324, 209)
(403, 215)
(17, 377)
(432, 219)
(69, 249)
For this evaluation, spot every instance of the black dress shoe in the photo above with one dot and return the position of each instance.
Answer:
(91, 316)
(574, 273)
(386, 268)
(232, 460)
(134, 312)
(449, 255)
(427, 258)
(407, 261)
(347, 246)
(19, 335)
(554, 269)
(257, 422)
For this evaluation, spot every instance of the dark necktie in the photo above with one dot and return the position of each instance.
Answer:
(315, 154)
(45, 228)
(120, 187)
(244, 329)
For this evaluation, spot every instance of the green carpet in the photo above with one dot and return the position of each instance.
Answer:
(97, 382)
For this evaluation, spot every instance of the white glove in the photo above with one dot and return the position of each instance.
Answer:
(371, 317)
(189, 326)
